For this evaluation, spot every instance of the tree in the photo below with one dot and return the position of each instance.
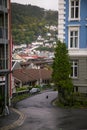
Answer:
(61, 73)
(28, 22)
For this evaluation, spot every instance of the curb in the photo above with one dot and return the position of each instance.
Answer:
(18, 122)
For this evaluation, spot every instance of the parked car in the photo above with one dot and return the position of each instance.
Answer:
(34, 90)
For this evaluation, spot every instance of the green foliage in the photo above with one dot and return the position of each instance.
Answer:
(19, 98)
(41, 48)
(79, 101)
(21, 88)
(61, 72)
(37, 86)
(28, 22)
(61, 65)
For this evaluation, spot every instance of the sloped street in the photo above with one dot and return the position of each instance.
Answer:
(42, 115)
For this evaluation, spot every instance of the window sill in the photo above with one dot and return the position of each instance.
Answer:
(73, 48)
(74, 78)
(74, 19)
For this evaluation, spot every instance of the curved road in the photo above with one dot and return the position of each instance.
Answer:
(41, 115)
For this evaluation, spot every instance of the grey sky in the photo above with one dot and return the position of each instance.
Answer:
(47, 4)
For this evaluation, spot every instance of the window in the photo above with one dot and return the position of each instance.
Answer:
(74, 37)
(74, 69)
(74, 7)
(0, 2)
(3, 2)
(3, 58)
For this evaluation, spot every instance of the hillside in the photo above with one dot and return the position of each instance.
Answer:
(29, 21)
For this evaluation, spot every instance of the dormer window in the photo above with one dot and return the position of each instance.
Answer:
(74, 10)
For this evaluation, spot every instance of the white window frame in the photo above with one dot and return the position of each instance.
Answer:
(74, 29)
(74, 65)
(70, 18)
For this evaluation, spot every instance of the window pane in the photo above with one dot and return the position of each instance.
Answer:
(75, 72)
(76, 42)
(72, 12)
(5, 3)
(1, 33)
(76, 33)
(0, 2)
(77, 3)
(76, 12)
(75, 63)
(72, 3)
(71, 33)
(71, 42)
(72, 71)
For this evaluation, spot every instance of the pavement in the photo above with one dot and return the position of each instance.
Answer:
(14, 119)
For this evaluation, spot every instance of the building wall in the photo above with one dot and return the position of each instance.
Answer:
(81, 80)
(81, 23)
(3, 34)
(5, 49)
(79, 53)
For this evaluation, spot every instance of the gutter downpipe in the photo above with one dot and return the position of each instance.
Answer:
(10, 49)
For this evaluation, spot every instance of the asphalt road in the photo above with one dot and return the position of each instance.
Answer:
(42, 115)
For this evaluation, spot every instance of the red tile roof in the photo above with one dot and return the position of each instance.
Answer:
(26, 75)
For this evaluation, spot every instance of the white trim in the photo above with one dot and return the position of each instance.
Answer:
(73, 28)
(74, 19)
(77, 52)
(73, 67)
(74, 25)
(61, 20)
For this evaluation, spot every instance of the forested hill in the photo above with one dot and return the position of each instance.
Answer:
(28, 22)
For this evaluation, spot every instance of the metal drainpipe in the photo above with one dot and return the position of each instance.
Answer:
(4, 34)
(10, 48)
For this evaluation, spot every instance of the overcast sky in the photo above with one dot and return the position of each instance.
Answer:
(47, 4)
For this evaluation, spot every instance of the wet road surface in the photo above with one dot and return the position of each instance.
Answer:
(42, 115)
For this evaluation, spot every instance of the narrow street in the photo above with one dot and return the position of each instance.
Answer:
(42, 115)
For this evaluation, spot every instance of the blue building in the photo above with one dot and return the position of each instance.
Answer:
(72, 29)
